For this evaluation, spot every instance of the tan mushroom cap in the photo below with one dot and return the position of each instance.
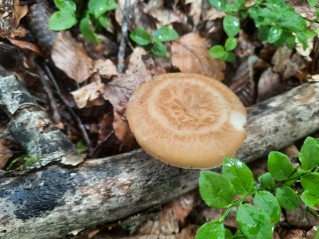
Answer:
(187, 120)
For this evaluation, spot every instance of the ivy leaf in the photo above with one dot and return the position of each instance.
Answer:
(62, 20)
(231, 25)
(99, 7)
(312, 3)
(87, 30)
(309, 154)
(218, 52)
(67, 5)
(269, 204)
(254, 223)
(164, 34)
(287, 198)
(230, 44)
(211, 230)
(239, 175)
(266, 181)
(274, 34)
(279, 166)
(310, 200)
(310, 182)
(216, 190)
(158, 49)
(218, 4)
(140, 36)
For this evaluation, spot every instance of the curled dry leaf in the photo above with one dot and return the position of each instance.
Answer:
(26, 45)
(196, 10)
(70, 57)
(87, 93)
(190, 55)
(166, 16)
(136, 63)
(104, 68)
(268, 84)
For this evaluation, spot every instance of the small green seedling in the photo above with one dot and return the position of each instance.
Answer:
(81, 147)
(27, 161)
(273, 191)
(154, 43)
(277, 22)
(91, 20)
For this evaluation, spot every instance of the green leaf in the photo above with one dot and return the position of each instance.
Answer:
(287, 198)
(228, 234)
(211, 230)
(291, 42)
(66, 5)
(141, 37)
(310, 200)
(254, 223)
(231, 57)
(310, 182)
(240, 3)
(239, 235)
(231, 25)
(266, 181)
(230, 44)
(218, 4)
(158, 49)
(274, 34)
(62, 20)
(239, 175)
(279, 166)
(269, 204)
(312, 3)
(218, 52)
(81, 147)
(99, 7)
(216, 190)
(164, 34)
(104, 21)
(309, 154)
(87, 30)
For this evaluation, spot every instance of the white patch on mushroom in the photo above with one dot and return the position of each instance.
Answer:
(238, 120)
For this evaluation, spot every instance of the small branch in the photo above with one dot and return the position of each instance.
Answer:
(122, 48)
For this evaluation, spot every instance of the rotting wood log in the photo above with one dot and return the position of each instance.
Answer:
(55, 200)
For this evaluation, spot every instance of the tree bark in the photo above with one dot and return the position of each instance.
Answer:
(51, 202)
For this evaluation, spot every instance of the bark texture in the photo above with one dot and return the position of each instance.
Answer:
(51, 202)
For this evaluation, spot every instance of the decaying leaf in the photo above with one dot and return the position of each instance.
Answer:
(71, 57)
(26, 45)
(190, 55)
(105, 68)
(136, 63)
(87, 93)
(5, 155)
(268, 84)
(166, 16)
(196, 10)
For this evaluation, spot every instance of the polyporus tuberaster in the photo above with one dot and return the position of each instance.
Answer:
(187, 120)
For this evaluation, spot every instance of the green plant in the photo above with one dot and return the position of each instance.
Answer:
(81, 147)
(92, 19)
(153, 42)
(284, 186)
(27, 162)
(276, 21)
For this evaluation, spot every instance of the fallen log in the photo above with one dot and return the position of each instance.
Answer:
(55, 200)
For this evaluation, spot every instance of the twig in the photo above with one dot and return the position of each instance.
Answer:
(96, 150)
(65, 102)
(122, 48)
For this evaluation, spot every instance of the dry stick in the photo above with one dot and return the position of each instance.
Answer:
(65, 102)
(51, 202)
(122, 48)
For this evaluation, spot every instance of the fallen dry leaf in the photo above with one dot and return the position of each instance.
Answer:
(87, 93)
(196, 10)
(26, 45)
(190, 55)
(268, 84)
(136, 63)
(165, 17)
(70, 57)
(105, 68)
(5, 155)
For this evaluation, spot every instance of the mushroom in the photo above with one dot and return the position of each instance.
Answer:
(187, 120)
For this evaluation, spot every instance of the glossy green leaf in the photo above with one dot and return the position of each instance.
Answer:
(141, 37)
(87, 30)
(287, 198)
(211, 230)
(231, 25)
(239, 175)
(253, 222)
(310, 182)
(313, 3)
(310, 200)
(269, 204)
(164, 34)
(104, 21)
(62, 20)
(218, 4)
(274, 34)
(66, 5)
(266, 181)
(291, 42)
(99, 7)
(216, 190)
(309, 154)
(230, 44)
(158, 49)
(279, 166)
(218, 52)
